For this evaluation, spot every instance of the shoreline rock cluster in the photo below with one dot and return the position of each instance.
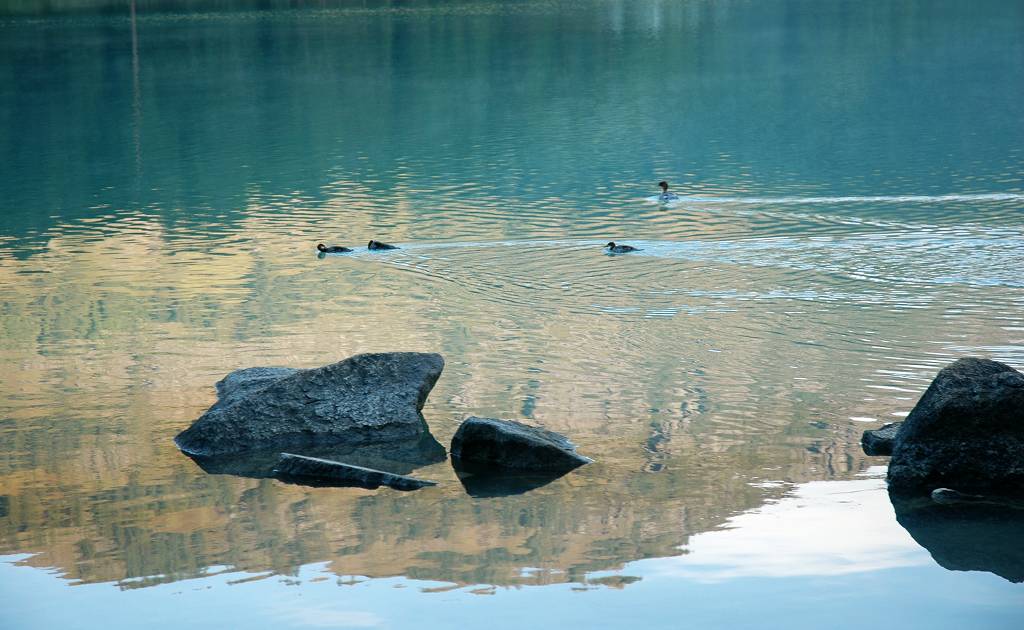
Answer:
(956, 473)
(966, 433)
(367, 409)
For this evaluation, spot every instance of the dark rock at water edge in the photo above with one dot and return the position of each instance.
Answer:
(879, 441)
(966, 536)
(315, 471)
(363, 399)
(966, 432)
(488, 444)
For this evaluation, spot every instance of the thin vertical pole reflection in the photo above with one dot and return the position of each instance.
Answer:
(136, 102)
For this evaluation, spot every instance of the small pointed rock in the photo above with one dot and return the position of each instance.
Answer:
(492, 444)
(879, 441)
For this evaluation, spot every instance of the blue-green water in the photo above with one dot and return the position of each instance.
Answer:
(852, 184)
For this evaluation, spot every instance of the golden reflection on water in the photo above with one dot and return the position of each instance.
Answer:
(161, 235)
(116, 335)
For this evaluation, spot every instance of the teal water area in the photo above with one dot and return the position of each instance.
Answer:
(851, 194)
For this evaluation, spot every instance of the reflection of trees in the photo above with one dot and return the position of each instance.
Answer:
(250, 102)
(107, 376)
(107, 7)
(100, 492)
(113, 335)
(168, 534)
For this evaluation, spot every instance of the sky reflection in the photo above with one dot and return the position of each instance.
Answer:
(820, 528)
(826, 548)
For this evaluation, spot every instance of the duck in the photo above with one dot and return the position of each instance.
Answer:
(665, 194)
(378, 245)
(620, 249)
(333, 249)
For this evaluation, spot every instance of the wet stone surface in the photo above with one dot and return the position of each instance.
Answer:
(966, 432)
(879, 441)
(489, 444)
(364, 399)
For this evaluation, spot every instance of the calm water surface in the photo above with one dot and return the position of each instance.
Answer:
(852, 182)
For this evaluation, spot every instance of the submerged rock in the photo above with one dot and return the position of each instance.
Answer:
(488, 444)
(966, 432)
(948, 496)
(315, 471)
(879, 441)
(363, 399)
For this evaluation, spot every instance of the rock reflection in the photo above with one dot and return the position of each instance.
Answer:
(966, 537)
(154, 530)
(399, 457)
(483, 485)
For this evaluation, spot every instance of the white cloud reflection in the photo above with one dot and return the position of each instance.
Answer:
(325, 616)
(823, 528)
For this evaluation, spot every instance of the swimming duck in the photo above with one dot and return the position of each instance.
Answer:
(379, 245)
(619, 249)
(665, 194)
(333, 249)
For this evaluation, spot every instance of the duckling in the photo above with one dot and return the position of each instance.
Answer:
(333, 249)
(665, 194)
(379, 245)
(619, 249)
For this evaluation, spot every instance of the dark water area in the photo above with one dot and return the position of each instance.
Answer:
(967, 537)
(851, 185)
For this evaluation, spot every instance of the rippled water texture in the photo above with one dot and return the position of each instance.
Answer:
(850, 220)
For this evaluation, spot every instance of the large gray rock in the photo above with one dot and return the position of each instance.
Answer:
(486, 444)
(880, 441)
(364, 399)
(966, 432)
(315, 471)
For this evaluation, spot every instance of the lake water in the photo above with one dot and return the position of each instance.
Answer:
(852, 183)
